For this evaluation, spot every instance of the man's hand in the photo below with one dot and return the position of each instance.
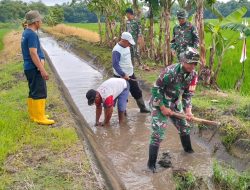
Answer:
(166, 111)
(189, 115)
(44, 74)
(43, 62)
(99, 124)
(140, 41)
(126, 77)
(173, 53)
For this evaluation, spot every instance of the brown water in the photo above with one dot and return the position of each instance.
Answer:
(126, 145)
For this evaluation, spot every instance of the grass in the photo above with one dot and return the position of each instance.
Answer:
(185, 180)
(84, 34)
(90, 26)
(33, 156)
(226, 178)
(3, 32)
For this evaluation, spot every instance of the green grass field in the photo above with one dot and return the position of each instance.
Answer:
(4, 29)
(34, 156)
(2, 34)
(231, 68)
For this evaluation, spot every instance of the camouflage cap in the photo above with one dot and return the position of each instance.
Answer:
(191, 55)
(181, 13)
(32, 16)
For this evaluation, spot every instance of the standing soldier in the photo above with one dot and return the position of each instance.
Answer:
(184, 35)
(34, 69)
(172, 92)
(134, 28)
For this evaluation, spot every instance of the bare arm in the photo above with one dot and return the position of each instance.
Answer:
(36, 60)
(98, 113)
(108, 113)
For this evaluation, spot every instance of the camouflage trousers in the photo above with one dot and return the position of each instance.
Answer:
(135, 54)
(159, 124)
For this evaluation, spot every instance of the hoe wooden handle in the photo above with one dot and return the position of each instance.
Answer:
(196, 119)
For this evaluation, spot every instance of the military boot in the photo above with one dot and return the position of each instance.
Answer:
(186, 143)
(153, 152)
(142, 106)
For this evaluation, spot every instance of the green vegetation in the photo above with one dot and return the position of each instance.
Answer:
(4, 29)
(231, 67)
(185, 180)
(228, 179)
(90, 26)
(2, 33)
(35, 156)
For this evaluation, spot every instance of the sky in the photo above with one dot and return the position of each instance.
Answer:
(53, 2)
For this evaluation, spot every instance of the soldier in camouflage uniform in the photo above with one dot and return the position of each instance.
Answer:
(134, 28)
(172, 92)
(184, 35)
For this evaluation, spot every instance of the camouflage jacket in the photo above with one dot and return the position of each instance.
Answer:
(183, 36)
(134, 28)
(174, 87)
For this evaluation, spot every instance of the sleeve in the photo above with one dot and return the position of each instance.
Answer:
(109, 102)
(189, 92)
(172, 43)
(32, 41)
(159, 87)
(42, 56)
(195, 37)
(116, 56)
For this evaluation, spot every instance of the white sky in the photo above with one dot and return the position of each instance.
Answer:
(53, 2)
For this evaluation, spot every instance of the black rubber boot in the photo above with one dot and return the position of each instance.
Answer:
(142, 106)
(186, 143)
(153, 152)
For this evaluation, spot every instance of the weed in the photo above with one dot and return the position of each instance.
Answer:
(228, 179)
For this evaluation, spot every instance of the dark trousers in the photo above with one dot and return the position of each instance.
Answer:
(134, 87)
(37, 85)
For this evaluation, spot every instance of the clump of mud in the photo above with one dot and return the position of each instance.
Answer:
(165, 160)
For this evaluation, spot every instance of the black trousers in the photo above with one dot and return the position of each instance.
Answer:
(37, 85)
(133, 87)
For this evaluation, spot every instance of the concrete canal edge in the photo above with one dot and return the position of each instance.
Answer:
(112, 180)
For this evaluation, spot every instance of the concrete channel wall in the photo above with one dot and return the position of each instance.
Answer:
(106, 168)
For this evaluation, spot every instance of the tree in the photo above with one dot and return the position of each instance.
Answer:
(55, 16)
(219, 44)
(167, 4)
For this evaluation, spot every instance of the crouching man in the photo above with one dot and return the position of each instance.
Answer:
(107, 94)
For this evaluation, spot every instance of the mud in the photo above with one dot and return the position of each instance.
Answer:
(125, 147)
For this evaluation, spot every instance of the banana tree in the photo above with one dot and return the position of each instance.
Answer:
(219, 43)
(167, 4)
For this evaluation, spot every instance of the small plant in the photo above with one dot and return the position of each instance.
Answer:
(185, 180)
(231, 135)
(228, 179)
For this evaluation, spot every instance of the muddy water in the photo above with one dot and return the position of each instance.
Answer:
(127, 145)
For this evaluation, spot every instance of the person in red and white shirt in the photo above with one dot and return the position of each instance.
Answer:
(107, 94)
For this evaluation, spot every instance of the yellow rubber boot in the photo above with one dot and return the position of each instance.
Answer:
(38, 107)
(30, 110)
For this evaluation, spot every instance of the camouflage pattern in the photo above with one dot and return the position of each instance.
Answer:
(181, 13)
(173, 89)
(134, 28)
(191, 55)
(183, 36)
